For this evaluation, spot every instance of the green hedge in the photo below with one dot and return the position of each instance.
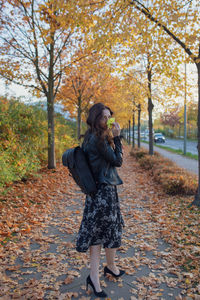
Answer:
(23, 139)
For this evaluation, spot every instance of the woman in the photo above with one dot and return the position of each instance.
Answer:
(102, 221)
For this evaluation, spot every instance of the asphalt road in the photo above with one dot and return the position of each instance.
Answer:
(189, 164)
(179, 144)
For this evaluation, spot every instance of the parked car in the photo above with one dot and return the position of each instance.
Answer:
(159, 138)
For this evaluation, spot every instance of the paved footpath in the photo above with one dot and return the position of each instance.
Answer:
(45, 265)
(184, 162)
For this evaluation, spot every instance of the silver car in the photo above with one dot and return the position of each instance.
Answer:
(159, 138)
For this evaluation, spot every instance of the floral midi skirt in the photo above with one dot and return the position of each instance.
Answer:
(102, 220)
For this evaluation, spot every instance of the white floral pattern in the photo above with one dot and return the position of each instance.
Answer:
(102, 220)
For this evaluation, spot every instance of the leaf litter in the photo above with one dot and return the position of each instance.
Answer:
(40, 220)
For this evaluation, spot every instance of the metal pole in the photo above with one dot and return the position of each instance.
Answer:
(185, 115)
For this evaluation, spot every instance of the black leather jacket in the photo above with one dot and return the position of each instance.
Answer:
(103, 159)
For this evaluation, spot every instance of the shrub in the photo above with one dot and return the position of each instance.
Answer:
(173, 179)
(64, 135)
(139, 153)
(148, 162)
(23, 139)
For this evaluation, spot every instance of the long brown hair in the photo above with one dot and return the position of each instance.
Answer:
(93, 122)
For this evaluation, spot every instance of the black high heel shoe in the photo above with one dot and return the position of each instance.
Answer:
(106, 270)
(101, 294)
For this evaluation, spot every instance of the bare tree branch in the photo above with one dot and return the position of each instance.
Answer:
(20, 83)
(146, 12)
(61, 49)
(59, 81)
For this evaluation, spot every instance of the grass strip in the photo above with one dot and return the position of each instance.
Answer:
(177, 151)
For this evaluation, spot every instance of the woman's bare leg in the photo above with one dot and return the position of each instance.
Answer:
(95, 252)
(110, 258)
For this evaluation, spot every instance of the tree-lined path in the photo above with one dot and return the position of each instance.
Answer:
(41, 262)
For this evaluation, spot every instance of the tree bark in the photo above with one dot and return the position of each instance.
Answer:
(129, 132)
(150, 110)
(133, 132)
(198, 124)
(50, 112)
(79, 118)
(139, 113)
(197, 196)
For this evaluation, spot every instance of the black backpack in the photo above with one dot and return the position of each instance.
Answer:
(77, 164)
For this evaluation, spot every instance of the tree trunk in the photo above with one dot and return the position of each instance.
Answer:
(50, 112)
(129, 132)
(150, 109)
(139, 113)
(79, 118)
(197, 196)
(133, 135)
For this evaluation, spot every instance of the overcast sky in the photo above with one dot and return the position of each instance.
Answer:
(19, 91)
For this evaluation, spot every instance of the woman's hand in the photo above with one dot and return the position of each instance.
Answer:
(116, 129)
